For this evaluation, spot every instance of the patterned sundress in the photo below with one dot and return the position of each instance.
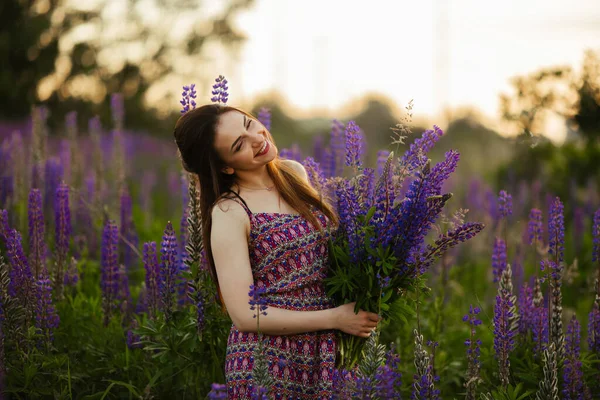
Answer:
(289, 257)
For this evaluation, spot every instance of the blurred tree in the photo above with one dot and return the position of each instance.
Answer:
(587, 116)
(577, 99)
(73, 55)
(558, 90)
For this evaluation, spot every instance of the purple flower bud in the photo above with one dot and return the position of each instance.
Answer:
(354, 145)
(503, 334)
(535, 226)
(187, 98)
(573, 383)
(498, 258)
(256, 302)
(46, 318)
(219, 92)
(556, 231)
(169, 270)
(217, 392)
(504, 204)
(416, 156)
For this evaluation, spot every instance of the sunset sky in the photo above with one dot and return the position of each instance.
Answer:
(321, 54)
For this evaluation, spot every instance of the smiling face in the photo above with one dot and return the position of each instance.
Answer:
(242, 142)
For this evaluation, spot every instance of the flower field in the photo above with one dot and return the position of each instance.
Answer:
(487, 292)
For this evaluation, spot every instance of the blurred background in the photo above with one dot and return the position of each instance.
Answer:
(509, 81)
(89, 96)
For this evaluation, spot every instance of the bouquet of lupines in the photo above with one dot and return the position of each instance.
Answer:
(380, 249)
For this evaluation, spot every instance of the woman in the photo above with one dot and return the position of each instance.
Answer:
(263, 224)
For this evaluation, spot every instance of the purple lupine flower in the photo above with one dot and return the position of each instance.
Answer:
(200, 318)
(473, 352)
(337, 144)
(22, 284)
(573, 382)
(388, 378)
(128, 236)
(37, 243)
(109, 272)
(448, 240)
(416, 156)
(315, 176)
(169, 271)
(219, 92)
(259, 393)
(257, 303)
(188, 98)
(526, 308)
(491, 204)
(53, 175)
(117, 108)
(503, 334)
(46, 318)
(264, 117)
(415, 216)
(72, 273)
(498, 258)
(132, 338)
(539, 328)
(328, 163)
(354, 145)
(441, 172)
(348, 207)
(504, 204)
(62, 221)
(318, 148)
(594, 328)
(556, 231)
(535, 226)
(4, 227)
(382, 156)
(217, 392)
(596, 237)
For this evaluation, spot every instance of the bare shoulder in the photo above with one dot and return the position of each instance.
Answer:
(228, 211)
(298, 167)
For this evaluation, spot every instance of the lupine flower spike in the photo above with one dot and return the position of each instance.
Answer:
(219, 92)
(473, 353)
(188, 97)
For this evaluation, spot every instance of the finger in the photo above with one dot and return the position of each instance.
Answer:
(373, 317)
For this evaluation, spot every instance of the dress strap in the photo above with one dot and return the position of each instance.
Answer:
(243, 204)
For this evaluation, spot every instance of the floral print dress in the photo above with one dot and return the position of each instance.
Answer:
(289, 258)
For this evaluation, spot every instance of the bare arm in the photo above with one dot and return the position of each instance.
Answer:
(229, 240)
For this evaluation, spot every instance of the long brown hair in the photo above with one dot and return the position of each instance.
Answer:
(195, 137)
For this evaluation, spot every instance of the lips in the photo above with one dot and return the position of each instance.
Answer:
(264, 149)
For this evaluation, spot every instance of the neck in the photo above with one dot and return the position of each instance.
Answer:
(257, 179)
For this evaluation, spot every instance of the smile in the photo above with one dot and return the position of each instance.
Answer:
(263, 150)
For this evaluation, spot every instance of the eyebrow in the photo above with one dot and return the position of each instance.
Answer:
(238, 139)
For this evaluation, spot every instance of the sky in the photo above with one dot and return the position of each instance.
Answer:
(323, 54)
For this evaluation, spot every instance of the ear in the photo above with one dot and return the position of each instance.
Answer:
(228, 170)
